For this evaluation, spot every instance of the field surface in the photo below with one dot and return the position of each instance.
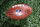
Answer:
(32, 21)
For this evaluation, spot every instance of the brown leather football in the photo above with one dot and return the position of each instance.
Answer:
(19, 11)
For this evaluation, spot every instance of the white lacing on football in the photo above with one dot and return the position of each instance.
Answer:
(18, 5)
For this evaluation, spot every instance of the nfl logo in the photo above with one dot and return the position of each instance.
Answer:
(18, 12)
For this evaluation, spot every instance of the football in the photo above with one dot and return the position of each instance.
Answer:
(19, 11)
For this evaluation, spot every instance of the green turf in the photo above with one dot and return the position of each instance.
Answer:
(32, 21)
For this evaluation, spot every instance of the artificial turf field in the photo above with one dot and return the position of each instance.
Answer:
(32, 21)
